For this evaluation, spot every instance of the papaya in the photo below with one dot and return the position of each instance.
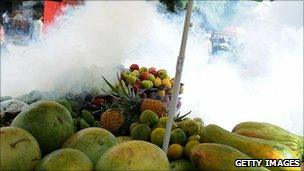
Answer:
(291, 141)
(253, 147)
(213, 156)
(182, 165)
(275, 130)
(261, 126)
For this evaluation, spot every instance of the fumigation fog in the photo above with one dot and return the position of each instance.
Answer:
(263, 82)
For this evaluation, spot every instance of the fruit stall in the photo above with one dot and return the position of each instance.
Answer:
(124, 128)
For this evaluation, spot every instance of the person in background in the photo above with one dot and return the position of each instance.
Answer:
(1, 34)
(5, 17)
(38, 29)
(3, 48)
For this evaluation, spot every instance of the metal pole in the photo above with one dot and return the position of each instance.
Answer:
(178, 74)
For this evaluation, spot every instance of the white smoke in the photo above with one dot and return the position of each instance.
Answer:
(265, 84)
(97, 35)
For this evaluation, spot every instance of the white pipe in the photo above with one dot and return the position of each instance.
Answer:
(178, 75)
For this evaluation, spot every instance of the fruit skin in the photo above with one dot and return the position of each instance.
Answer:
(49, 122)
(122, 139)
(162, 74)
(141, 132)
(157, 136)
(175, 151)
(156, 106)
(189, 146)
(146, 84)
(136, 88)
(19, 149)
(265, 127)
(182, 165)
(93, 142)
(178, 136)
(275, 131)
(291, 141)
(133, 125)
(153, 71)
(83, 124)
(161, 93)
(96, 124)
(88, 117)
(166, 83)
(65, 159)
(151, 77)
(135, 73)
(212, 156)
(130, 79)
(133, 155)
(148, 117)
(261, 126)
(96, 101)
(112, 120)
(144, 76)
(157, 82)
(190, 127)
(143, 69)
(66, 104)
(253, 147)
(124, 74)
(162, 122)
(194, 137)
(134, 67)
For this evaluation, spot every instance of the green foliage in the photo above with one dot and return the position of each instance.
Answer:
(174, 5)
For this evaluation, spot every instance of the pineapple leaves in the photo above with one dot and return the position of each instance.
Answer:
(123, 93)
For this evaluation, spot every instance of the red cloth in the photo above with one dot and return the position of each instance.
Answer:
(52, 9)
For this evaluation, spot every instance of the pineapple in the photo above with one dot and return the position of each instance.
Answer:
(112, 120)
(126, 103)
(156, 106)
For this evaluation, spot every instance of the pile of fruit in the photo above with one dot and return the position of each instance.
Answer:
(124, 129)
(149, 80)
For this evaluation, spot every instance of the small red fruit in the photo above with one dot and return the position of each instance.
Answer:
(97, 101)
(144, 76)
(136, 88)
(153, 71)
(134, 67)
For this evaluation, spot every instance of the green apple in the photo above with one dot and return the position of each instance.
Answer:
(143, 69)
(146, 84)
(135, 73)
(151, 77)
(162, 74)
(131, 79)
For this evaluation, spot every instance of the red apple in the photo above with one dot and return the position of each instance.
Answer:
(153, 71)
(136, 88)
(134, 67)
(144, 76)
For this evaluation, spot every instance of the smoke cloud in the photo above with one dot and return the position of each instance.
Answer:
(264, 83)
